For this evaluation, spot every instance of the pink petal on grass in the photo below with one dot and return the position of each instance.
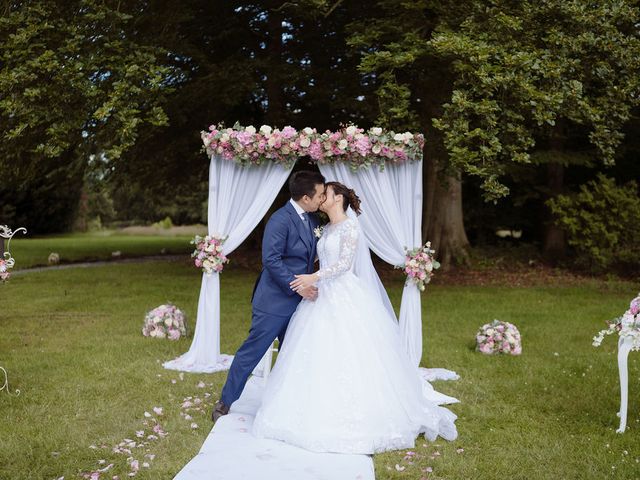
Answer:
(399, 468)
(201, 385)
(139, 433)
(157, 410)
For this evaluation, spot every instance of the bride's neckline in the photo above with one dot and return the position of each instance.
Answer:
(338, 223)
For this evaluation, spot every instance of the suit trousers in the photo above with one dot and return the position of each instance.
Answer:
(265, 328)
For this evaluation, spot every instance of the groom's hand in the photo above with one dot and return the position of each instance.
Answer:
(309, 293)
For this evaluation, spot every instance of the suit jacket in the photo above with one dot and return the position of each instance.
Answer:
(287, 250)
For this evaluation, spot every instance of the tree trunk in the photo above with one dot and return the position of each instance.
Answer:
(442, 216)
(554, 247)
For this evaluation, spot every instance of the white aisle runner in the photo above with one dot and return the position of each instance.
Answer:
(230, 452)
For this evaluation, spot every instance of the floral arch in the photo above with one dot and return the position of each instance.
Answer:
(248, 168)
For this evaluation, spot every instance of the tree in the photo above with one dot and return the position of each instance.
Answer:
(73, 82)
(497, 81)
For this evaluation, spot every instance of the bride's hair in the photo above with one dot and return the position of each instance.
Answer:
(349, 195)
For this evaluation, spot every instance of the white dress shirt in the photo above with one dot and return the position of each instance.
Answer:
(299, 209)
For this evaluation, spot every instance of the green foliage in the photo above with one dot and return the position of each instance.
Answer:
(165, 223)
(602, 222)
(497, 79)
(73, 82)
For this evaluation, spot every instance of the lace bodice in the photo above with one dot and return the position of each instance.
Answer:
(337, 249)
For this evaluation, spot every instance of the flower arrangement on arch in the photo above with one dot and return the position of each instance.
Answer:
(419, 265)
(165, 321)
(627, 326)
(4, 270)
(208, 253)
(351, 144)
(499, 337)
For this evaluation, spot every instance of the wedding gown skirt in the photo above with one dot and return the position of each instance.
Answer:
(342, 382)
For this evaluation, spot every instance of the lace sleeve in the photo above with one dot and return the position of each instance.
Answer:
(348, 242)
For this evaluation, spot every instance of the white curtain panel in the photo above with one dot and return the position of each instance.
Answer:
(391, 220)
(239, 197)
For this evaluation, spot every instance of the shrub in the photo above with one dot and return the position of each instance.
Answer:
(602, 222)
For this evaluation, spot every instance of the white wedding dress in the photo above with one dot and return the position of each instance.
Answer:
(342, 382)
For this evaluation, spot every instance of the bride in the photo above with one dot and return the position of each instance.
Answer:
(342, 382)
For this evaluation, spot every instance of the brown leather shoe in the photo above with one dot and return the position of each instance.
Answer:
(219, 410)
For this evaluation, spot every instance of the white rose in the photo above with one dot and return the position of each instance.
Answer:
(265, 130)
(219, 248)
(225, 137)
(429, 267)
(408, 135)
(157, 320)
(376, 148)
(168, 322)
(305, 142)
(376, 131)
(413, 263)
(308, 130)
(272, 141)
(342, 144)
(206, 140)
(285, 149)
(351, 129)
(251, 129)
(207, 265)
(398, 137)
(358, 136)
(152, 333)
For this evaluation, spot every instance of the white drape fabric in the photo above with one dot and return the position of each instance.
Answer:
(391, 220)
(239, 196)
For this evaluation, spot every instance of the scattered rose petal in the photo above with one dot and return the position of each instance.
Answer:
(201, 384)
(181, 375)
(145, 465)
(188, 417)
(93, 447)
(173, 380)
(460, 450)
(157, 410)
(194, 425)
(399, 468)
(150, 456)
(139, 433)
(135, 465)
(147, 414)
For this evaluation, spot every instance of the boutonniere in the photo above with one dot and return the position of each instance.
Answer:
(318, 231)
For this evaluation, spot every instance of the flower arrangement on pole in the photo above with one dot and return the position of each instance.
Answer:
(626, 326)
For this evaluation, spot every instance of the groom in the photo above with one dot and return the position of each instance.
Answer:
(288, 249)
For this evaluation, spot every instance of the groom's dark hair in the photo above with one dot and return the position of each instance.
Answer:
(304, 183)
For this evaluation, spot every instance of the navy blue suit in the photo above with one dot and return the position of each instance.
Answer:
(288, 249)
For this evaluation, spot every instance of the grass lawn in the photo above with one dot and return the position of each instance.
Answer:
(80, 247)
(71, 342)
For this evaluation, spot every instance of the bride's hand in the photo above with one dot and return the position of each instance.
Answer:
(303, 281)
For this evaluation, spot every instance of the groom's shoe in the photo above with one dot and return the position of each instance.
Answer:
(219, 410)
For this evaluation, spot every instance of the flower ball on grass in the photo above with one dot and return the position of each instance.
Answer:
(499, 337)
(165, 321)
